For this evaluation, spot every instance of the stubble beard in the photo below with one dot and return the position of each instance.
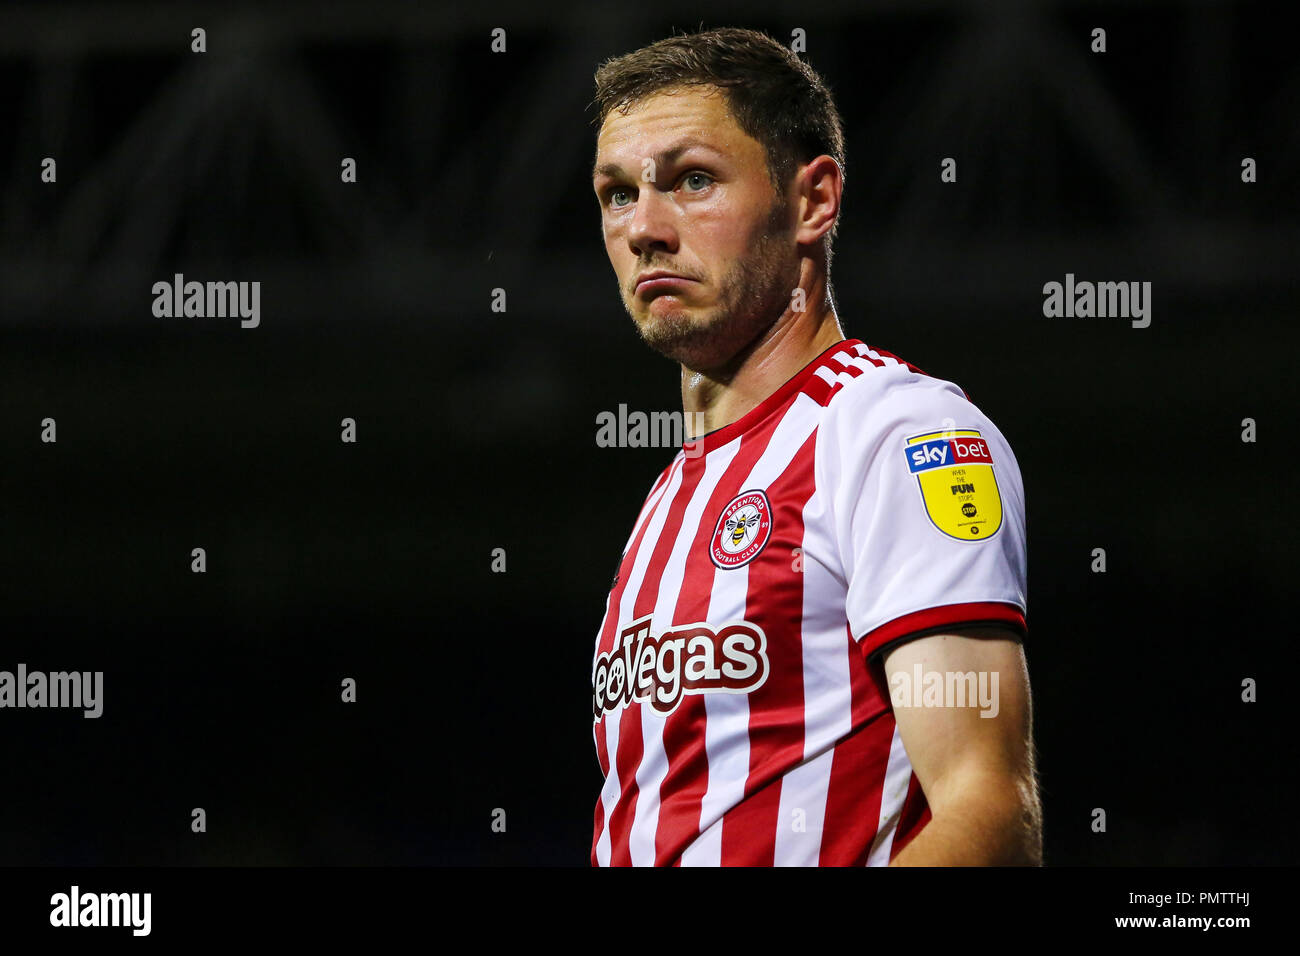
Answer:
(753, 294)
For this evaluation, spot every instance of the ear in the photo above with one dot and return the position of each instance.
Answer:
(819, 185)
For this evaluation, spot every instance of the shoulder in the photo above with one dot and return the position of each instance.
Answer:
(892, 408)
(890, 391)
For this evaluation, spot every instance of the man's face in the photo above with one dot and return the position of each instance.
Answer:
(710, 215)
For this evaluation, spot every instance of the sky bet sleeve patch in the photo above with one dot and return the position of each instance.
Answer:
(954, 472)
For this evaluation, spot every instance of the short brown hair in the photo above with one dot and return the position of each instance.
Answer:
(775, 97)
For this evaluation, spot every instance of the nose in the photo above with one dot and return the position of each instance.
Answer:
(651, 227)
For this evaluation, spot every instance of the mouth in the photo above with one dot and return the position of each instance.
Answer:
(661, 282)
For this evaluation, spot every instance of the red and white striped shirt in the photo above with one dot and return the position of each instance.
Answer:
(741, 714)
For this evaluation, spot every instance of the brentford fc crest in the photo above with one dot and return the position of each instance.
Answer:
(742, 530)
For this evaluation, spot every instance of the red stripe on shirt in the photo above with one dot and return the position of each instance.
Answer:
(933, 619)
(610, 632)
(775, 600)
(630, 742)
(858, 769)
(913, 818)
(687, 779)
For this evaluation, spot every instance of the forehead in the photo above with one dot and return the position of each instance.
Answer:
(668, 123)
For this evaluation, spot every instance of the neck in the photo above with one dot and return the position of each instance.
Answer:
(714, 399)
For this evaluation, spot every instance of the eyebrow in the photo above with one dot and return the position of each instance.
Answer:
(664, 158)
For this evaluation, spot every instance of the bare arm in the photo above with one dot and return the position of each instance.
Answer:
(977, 772)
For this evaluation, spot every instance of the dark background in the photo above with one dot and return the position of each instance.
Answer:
(477, 429)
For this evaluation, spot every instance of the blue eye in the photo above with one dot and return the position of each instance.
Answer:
(614, 193)
(704, 176)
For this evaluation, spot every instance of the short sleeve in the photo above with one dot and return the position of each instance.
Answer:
(928, 512)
